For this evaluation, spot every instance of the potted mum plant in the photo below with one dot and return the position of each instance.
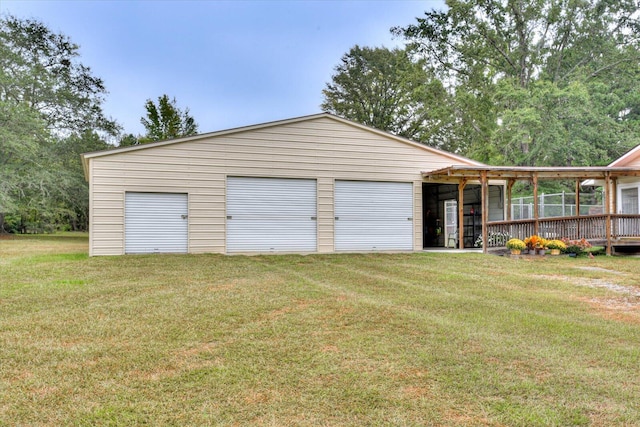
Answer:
(536, 244)
(556, 246)
(516, 246)
(576, 247)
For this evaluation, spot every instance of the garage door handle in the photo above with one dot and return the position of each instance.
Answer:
(314, 218)
(229, 217)
(409, 219)
(337, 217)
(184, 216)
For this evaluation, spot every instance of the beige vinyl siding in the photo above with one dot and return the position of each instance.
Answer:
(326, 217)
(417, 215)
(320, 148)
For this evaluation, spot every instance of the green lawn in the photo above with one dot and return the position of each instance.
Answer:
(371, 339)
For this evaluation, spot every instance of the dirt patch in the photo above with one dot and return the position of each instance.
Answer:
(299, 305)
(599, 269)
(416, 391)
(625, 307)
(621, 304)
(330, 349)
(253, 397)
(609, 285)
(616, 309)
(624, 303)
(458, 418)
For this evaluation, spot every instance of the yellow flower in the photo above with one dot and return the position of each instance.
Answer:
(516, 244)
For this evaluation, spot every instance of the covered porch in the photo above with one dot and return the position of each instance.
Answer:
(609, 228)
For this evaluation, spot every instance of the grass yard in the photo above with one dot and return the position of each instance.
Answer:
(370, 339)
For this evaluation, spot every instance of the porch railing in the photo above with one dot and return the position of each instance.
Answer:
(592, 227)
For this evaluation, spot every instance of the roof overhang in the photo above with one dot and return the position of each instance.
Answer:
(520, 173)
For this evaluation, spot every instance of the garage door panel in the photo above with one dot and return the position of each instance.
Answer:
(156, 223)
(373, 215)
(271, 214)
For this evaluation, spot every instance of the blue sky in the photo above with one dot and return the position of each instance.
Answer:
(232, 63)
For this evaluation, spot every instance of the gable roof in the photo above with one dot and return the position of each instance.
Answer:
(456, 159)
(627, 158)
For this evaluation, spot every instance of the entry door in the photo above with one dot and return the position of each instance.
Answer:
(271, 215)
(373, 216)
(156, 223)
(450, 223)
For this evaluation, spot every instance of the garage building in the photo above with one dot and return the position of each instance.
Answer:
(314, 184)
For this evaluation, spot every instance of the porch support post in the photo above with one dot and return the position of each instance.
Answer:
(461, 185)
(484, 212)
(578, 197)
(613, 197)
(578, 207)
(510, 183)
(535, 203)
(607, 211)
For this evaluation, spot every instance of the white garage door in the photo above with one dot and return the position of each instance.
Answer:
(156, 223)
(373, 215)
(271, 214)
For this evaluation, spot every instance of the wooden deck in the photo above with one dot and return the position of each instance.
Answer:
(624, 230)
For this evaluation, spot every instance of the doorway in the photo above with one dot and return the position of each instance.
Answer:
(440, 215)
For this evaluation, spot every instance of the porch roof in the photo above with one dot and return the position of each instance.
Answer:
(457, 172)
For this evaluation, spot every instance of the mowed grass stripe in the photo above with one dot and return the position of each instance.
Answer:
(360, 339)
(551, 325)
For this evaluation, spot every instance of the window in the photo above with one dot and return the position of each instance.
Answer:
(629, 201)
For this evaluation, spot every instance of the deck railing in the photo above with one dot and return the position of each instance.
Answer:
(591, 227)
(625, 226)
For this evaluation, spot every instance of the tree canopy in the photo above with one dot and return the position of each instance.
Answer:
(539, 82)
(51, 113)
(166, 121)
(49, 103)
(388, 90)
(40, 70)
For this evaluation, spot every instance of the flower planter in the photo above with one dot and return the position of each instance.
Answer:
(515, 251)
(555, 251)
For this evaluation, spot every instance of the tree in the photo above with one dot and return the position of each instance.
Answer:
(166, 121)
(39, 69)
(558, 81)
(128, 140)
(388, 90)
(23, 174)
(47, 100)
(72, 197)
